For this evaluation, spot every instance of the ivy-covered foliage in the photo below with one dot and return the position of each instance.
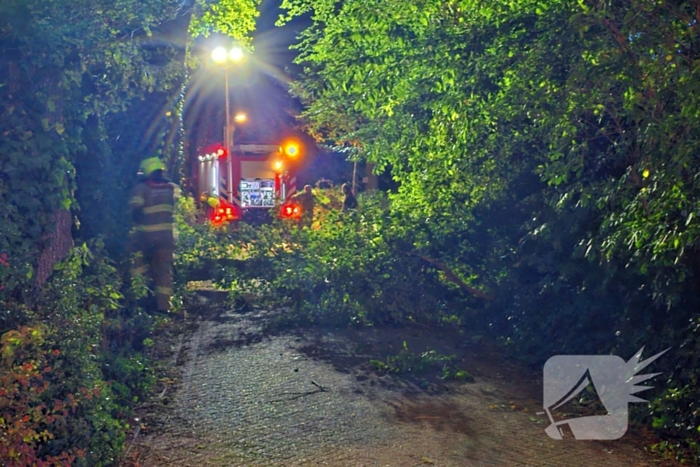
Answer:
(87, 90)
(65, 67)
(545, 152)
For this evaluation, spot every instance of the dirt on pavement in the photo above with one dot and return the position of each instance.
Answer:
(249, 398)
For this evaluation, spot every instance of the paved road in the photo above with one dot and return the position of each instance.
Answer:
(311, 399)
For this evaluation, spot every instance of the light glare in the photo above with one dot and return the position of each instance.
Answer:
(291, 149)
(219, 55)
(236, 54)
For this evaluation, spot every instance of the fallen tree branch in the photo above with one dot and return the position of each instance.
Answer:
(454, 278)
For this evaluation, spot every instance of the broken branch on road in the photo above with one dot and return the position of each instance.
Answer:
(452, 277)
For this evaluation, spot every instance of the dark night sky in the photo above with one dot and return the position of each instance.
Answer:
(264, 89)
(272, 48)
(259, 88)
(273, 41)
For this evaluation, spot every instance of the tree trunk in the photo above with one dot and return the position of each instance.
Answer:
(57, 244)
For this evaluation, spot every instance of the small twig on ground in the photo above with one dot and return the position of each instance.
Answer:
(321, 388)
(297, 395)
(138, 430)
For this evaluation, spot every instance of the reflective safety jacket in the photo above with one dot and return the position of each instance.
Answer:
(152, 206)
(307, 201)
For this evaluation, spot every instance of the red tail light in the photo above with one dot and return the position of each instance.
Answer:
(289, 210)
(230, 214)
(224, 213)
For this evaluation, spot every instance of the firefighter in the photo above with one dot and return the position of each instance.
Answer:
(209, 204)
(349, 201)
(152, 206)
(306, 201)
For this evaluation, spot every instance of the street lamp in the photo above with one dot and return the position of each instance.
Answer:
(226, 57)
(291, 149)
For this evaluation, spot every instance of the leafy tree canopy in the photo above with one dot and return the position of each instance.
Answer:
(545, 149)
(233, 18)
(464, 100)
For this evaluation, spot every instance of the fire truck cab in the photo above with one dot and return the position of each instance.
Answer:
(262, 177)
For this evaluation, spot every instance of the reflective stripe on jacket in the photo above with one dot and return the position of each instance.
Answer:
(153, 204)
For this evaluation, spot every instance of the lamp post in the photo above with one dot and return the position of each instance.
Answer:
(225, 57)
(278, 167)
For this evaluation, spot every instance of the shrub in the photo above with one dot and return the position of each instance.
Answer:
(28, 419)
(66, 385)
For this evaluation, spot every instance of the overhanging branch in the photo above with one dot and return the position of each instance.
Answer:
(454, 278)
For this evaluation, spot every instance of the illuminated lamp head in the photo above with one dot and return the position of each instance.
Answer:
(291, 149)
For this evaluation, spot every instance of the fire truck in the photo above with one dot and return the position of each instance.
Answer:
(256, 179)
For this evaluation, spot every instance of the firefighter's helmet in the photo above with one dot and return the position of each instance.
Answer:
(150, 165)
